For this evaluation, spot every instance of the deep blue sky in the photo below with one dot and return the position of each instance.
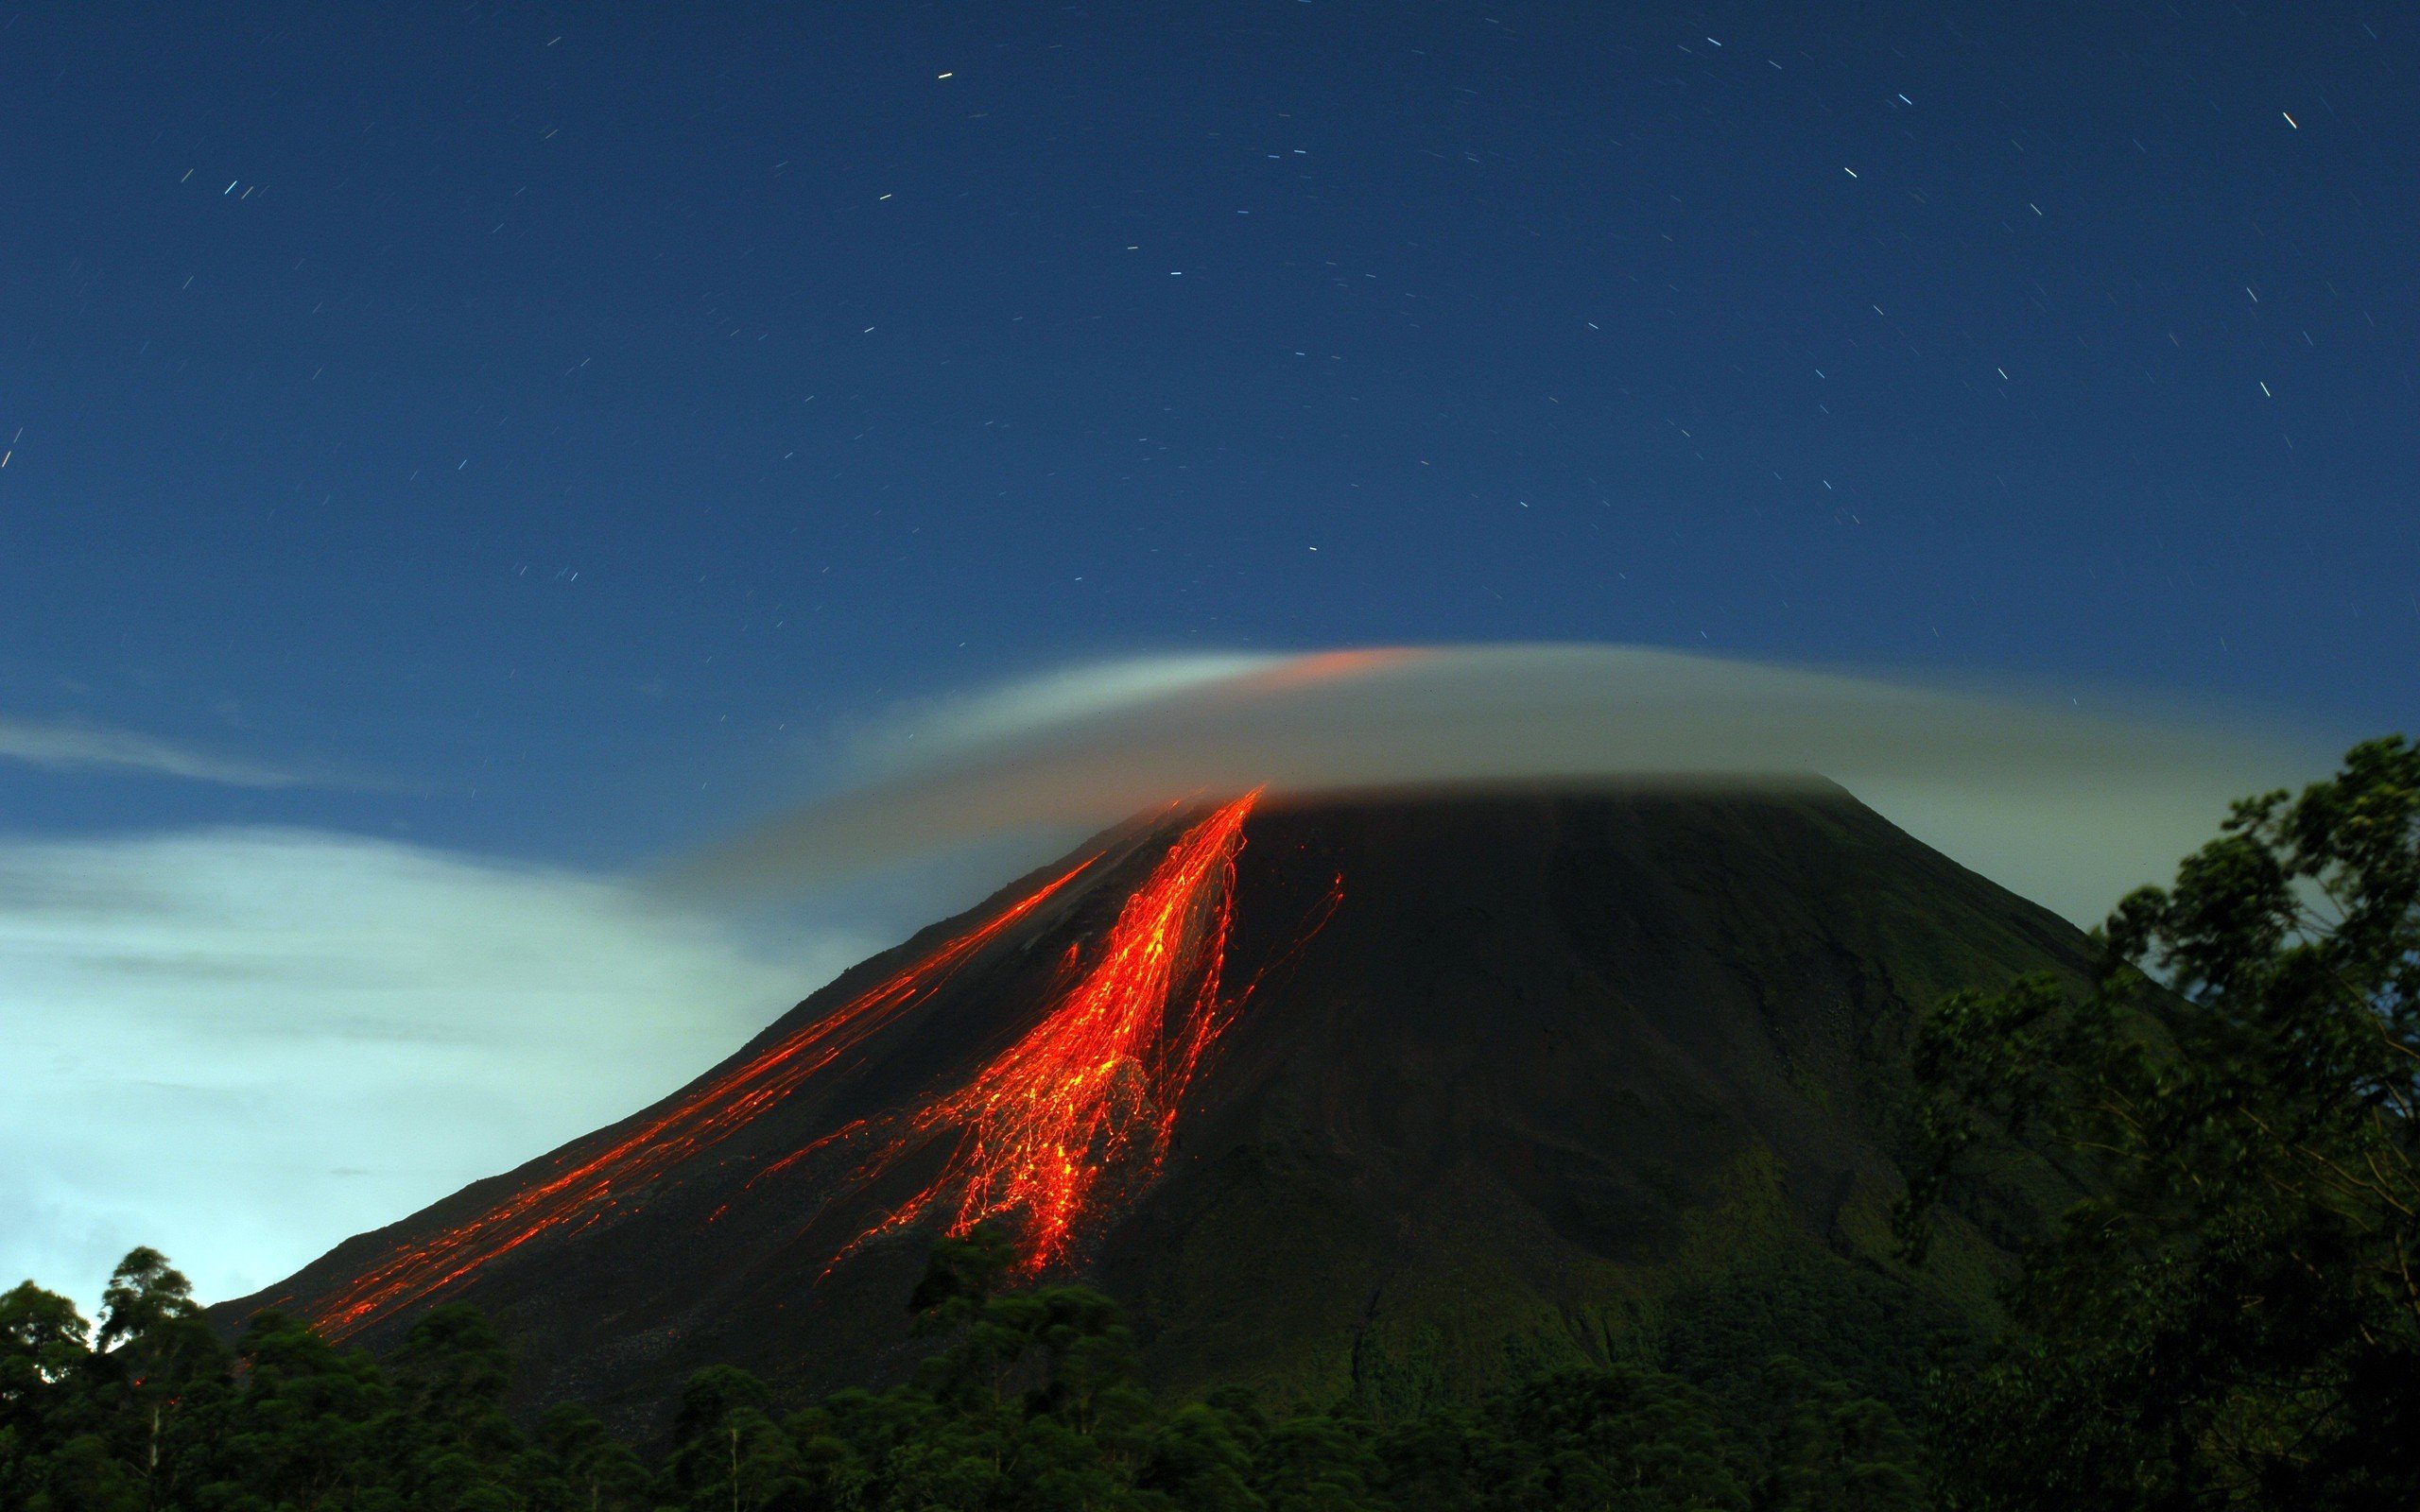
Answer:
(566, 412)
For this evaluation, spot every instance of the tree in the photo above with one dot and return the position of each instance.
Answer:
(1820, 1445)
(153, 1362)
(1031, 1404)
(1623, 1437)
(44, 1342)
(44, 1349)
(448, 1439)
(574, 1464)
(1200, 1456)
(2232, 1316)
(728, 1455)
(310, 1426)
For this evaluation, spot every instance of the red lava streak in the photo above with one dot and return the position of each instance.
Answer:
(588, 1188)
(1089, 1095)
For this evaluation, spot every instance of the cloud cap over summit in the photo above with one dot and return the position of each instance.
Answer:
(2008, 783)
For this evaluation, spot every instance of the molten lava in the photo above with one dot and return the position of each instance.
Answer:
(1077, 1111)
(1087, 1099)
(591, 1188)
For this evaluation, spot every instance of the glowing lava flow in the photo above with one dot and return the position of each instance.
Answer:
(1090, 1094)
(704, 1117)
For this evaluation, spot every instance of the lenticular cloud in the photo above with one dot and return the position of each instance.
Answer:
(2066, 805)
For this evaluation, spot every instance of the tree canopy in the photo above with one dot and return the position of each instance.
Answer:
(1030, 1403)
(2231, 1317)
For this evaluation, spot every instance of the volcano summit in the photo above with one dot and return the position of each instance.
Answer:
(1383, 1097)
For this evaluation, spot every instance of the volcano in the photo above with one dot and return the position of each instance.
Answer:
(1386, 1098)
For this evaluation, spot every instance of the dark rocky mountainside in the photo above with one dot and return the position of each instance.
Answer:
(1388, 1098)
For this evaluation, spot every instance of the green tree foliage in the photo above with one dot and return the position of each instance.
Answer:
(2232, 1317)
(1029, 1404)
(574, 1464)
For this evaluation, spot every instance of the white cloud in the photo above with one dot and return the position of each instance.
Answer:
(1056, 698)
(242, 1046)
(66, 745)
(2071, 807)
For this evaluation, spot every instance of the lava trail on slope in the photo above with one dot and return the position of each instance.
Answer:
(588, 1189)
(1070, 1117)
(1079, 1110)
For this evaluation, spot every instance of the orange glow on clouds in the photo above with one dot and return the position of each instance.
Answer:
(1327, 666)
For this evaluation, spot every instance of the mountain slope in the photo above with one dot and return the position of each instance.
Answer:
(1387, 1098)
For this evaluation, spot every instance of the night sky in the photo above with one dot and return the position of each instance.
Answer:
(561, 419)
(539, 435)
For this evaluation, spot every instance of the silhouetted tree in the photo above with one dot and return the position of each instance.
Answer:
(2233, 1317)
(1030, 1404)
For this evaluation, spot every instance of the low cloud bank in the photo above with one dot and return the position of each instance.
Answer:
(242, 1046)
(73, 745)
(2066, 805)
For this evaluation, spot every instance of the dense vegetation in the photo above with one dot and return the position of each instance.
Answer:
(2232, 1319)
(1032, 1404)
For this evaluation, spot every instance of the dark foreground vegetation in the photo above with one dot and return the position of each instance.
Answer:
(2232, 1319)
(1031, 1405)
